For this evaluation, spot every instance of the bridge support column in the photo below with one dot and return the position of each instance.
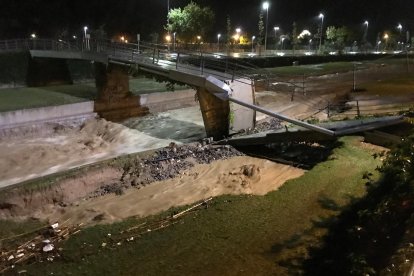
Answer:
(215, 114)
(115, 102)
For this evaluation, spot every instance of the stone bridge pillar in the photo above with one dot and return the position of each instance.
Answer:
(215, 114)
(115, 102)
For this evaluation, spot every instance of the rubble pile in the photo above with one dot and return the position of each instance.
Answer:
(165, 164)
(265, 125)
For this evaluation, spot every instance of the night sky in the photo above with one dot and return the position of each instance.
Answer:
(47, 18)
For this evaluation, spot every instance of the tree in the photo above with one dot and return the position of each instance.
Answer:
(337, 37)
(228, 33)
(295, 39)
(261, 28)
(190, 21)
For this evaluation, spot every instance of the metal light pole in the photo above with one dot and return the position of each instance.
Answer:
(276, 29)
(84, 36)
(366, 23)
(174, 34)
(399, 27)
(218, 42)
(266, 7)
(253, 38)
(321, 16)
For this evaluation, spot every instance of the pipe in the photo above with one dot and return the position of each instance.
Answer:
(284, 118)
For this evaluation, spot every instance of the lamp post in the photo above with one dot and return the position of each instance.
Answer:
(276, 29)
(399, 27)
(386, 37)
(253, 38)
(266, 7)
(366, 23)
(283, 39)
(174, 40)
(321, 16)
(85, 37)
(218, 42)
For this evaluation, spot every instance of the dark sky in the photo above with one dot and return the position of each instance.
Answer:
(19, 18)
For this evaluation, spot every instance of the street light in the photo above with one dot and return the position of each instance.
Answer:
(218, 42)
(174, 35)
(266, 7)
(386, 37)
(33, 35)
(321, 16)
(253, 38)
(399, 27)
(366, 23)
(85, 36)
(276, 29)
(283, 39)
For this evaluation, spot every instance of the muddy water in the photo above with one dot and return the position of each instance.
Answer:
(55, 148)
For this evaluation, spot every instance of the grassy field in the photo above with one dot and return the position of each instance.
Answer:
(314, 69)
(251, 235)
(32, 97)
(402, 86)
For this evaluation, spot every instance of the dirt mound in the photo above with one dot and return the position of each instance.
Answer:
(110, 178)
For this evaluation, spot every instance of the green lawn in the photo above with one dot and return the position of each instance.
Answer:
(314, 69)
(402, 86)
(32, 97)
(250, 235)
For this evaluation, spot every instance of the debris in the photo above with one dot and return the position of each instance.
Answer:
(55, 225)
(103, 244)
(11, 257)
(48, 247)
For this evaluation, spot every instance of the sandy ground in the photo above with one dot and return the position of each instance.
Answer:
(238, 175)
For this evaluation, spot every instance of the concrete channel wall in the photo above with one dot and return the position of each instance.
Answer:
(156, 102)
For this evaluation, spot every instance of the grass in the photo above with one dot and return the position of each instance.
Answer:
(402, 86)
(253, 235)
(33, 97)
(319, 69)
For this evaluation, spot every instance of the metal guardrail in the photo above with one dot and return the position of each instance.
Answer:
(197, 63)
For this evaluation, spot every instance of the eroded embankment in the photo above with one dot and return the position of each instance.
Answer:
(178, 175)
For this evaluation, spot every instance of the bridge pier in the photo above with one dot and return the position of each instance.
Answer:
(215, 114)
(115, 102)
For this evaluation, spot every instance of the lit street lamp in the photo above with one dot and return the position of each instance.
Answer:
(174, 40)
(85, 37)
(266, 7)
(386, 37)
(366, 23)
(283, 39)
(33, 36)
(321, 16)
(253, 38)
(276, 29)
(218, 42)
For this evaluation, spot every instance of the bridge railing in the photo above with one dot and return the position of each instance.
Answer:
(157, 54)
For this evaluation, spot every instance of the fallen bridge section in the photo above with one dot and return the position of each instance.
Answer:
(366, 127)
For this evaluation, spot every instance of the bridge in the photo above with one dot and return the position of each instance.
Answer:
(218, 80)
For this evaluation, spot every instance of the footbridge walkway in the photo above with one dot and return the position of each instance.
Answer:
(218, 79)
